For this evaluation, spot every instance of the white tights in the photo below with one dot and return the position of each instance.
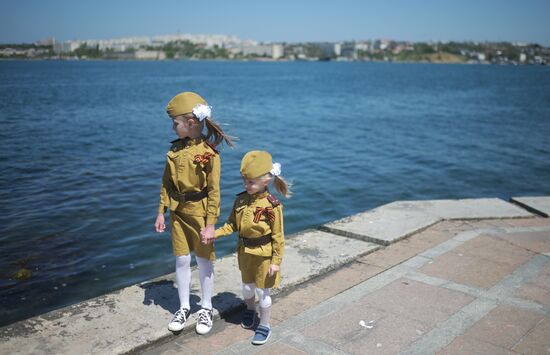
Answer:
(183, 280)
(264, 297)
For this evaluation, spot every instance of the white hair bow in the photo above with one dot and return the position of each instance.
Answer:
(276, 171)
(202, 111)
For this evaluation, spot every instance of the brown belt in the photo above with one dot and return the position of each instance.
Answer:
(188, 196)
(256, 242)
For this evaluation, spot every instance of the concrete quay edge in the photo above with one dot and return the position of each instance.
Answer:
(136, 317)
(394, 221)
(539, 205)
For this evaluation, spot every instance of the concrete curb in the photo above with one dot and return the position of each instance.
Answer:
(136, 317)
(392, 222)
(539, 205)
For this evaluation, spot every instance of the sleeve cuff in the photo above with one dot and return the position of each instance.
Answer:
(162, 209)
(276, 260)
(211, 220)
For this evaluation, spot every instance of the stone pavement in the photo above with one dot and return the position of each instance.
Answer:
(457, 287)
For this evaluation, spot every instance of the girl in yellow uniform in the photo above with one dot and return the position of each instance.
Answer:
(258, 217)
(191, 191)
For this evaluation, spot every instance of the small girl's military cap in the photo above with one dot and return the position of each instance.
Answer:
(255, 164)
(184, 103)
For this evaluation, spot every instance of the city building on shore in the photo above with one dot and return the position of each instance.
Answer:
(274, 51)
(65, 47)
(149, 55)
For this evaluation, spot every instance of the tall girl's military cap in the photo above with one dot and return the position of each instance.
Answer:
(184, 103)
(255, 164)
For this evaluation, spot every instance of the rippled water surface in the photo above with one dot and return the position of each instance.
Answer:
(82, 151)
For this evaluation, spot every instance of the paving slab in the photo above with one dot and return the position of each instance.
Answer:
(538, 204)
(466, 345)
(494, 249)
(477, 262)
(537, 289)
(137, 316)
(397, 220)
(347, 333)
(505, 326)
(536, 341)
(537, 241)
(427, 304)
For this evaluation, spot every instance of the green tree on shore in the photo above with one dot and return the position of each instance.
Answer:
(85, 51)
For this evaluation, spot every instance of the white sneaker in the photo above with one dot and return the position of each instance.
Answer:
(178, 323)
(204, 321)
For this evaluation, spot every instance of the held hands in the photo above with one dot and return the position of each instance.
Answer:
(273, 269)
(159, 223)
(207, 234)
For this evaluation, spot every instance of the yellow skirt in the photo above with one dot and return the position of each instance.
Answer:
(255, 269)
(186, 236)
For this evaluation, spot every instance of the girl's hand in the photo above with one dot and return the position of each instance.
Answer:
(159, 223)
(203, 237)
(207, 234)
(273, 269)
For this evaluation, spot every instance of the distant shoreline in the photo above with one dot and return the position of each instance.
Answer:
(263, 61)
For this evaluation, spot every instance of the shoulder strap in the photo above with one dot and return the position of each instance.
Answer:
(273, 200)
(176, 144)
(212, 146)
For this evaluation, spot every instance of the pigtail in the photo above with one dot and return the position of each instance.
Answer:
(215, 133)
(282, 186)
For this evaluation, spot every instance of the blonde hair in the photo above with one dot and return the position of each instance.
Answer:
(214, 133)
(280, 184)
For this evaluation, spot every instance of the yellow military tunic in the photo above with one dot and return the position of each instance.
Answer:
(191, 166)
(254, 261)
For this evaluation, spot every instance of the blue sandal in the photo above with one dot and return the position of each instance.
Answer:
(249, 317)
(261, 336)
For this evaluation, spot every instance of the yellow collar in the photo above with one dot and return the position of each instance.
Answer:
(193, 141)
(259, 195)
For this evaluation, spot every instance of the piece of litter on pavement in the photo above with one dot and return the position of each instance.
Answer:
(378, 345)
(366, 325)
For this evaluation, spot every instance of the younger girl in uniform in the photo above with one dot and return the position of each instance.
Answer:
(191, 191)
(258, 217)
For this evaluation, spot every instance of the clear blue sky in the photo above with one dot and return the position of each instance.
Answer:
(280, 20)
